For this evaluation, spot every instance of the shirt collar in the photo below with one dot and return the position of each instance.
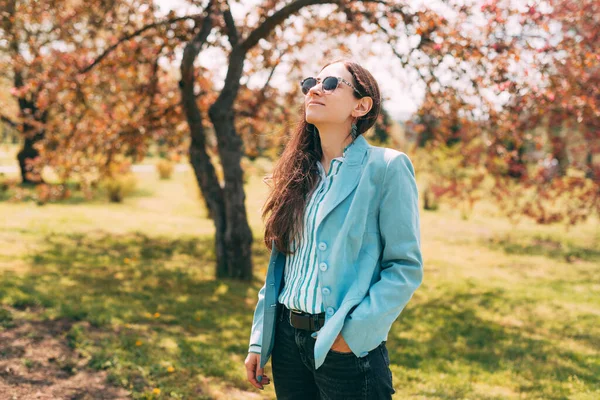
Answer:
(346, 148)
(332, 165)
(349, 149)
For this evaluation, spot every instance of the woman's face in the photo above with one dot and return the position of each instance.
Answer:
(336, 106)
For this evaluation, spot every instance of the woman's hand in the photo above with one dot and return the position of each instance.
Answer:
(253, 371)
(340, 345)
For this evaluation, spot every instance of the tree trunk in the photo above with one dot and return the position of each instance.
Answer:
(28, 152)
(204, 171)
(27, 107)
(226, 205)
(558, 142)
(238, 235)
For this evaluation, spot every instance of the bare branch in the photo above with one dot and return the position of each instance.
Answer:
(134, 34)
(7, 120)
(278, 17)
(232, 32)
(192, 49)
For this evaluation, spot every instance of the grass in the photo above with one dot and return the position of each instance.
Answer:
(141, 305)
(504, 312)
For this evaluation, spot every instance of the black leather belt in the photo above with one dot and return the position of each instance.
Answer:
(302, 320)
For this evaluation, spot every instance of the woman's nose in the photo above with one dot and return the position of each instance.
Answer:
(314, 88)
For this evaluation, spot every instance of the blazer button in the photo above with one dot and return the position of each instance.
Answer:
(323, 266)
(322, 246)
(330, 310)
(326, 291)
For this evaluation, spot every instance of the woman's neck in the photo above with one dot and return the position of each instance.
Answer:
(333, 142)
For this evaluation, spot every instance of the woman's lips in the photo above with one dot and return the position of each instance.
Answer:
(315, 104)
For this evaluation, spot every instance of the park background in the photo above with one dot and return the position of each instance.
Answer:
(133, 132)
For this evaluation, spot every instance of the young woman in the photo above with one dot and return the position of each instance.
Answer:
(343, 229)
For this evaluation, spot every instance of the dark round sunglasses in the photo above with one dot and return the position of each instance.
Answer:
(330, 83)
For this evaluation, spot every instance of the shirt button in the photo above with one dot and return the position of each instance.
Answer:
(364, 353)
(326, 291)
(323, 266)
(330, 310)
(322, 246)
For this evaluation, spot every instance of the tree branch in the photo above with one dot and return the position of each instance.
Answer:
(192, 49)
(276, 18)
(232, 32)
(7, 120)
(134, 34)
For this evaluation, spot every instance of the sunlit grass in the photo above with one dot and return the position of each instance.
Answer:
(504, 312)
(147, 308)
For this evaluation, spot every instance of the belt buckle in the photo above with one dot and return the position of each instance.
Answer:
(290, 316)
(309, 318)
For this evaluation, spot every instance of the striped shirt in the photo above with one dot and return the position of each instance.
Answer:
(302, 290)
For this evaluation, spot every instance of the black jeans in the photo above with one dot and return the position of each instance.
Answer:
(342, 376)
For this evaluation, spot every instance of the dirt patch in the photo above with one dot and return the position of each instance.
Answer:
(37, 363)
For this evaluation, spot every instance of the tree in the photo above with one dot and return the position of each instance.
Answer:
(381, 129)
(544, 74)
(115, 89)
(79, 119)
(233, 234)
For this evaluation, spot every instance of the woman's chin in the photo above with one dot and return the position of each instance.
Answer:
(312, 119)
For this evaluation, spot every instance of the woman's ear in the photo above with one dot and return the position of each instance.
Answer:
(362, 107)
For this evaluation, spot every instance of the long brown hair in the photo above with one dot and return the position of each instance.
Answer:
(295, 175)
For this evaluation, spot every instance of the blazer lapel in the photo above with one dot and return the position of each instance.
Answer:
(346, 179)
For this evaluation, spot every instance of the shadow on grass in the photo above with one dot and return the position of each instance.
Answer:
(545, 246)
(455, 335)
(147, 309)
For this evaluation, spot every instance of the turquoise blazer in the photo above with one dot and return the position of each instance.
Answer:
(369, 254)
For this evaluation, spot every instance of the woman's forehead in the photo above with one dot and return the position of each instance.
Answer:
(334, 70)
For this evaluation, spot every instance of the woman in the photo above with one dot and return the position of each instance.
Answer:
(343, 229)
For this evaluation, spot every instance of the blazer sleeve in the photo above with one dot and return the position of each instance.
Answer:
(401, 260)
(257, 322)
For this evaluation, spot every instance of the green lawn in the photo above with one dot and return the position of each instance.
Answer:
(504, 312)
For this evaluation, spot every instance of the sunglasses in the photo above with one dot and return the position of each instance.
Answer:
(330, 83)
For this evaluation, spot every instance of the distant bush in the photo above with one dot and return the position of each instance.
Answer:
(260, 166)
(165, 168)
(263, 166)
(51, 192)
(247, 167)
(3, 183)
(430, 202)
(8, 183)
(119, 186)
